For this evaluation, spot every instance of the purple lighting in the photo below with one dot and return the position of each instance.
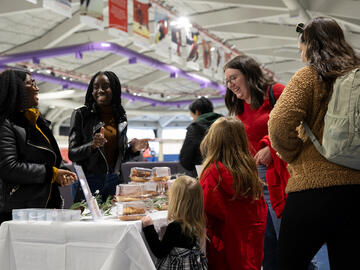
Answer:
(114, 48)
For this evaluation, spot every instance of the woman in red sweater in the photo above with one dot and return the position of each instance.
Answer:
(234, 204)
(248, 96)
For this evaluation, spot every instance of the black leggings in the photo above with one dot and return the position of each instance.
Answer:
(314, 217)
(87, 2)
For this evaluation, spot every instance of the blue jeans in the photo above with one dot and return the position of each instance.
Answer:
(105, 183)
(272, 230)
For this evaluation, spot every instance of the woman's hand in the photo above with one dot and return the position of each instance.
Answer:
(139, 144)
(98, 139)
(146, 221)
(263, 156)
(65, 177)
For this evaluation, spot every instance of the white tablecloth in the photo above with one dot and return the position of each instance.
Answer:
(106, 245)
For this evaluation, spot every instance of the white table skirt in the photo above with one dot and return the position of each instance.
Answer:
(106, 245)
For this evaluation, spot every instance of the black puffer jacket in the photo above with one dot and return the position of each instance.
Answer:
(190, 154)
(84, 124)
(26, 161)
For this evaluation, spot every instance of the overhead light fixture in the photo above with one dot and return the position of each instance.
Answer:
(182, 22)
(104, 44)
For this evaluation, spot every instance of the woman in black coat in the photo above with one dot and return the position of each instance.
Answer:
(30, 159)
(97, 139)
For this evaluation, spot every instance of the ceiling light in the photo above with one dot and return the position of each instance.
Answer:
(182, 22)
(104, 44)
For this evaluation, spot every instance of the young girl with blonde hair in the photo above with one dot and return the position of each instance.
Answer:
(234, 203)
(180, 246)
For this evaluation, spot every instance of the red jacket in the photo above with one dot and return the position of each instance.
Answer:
(277, 177)
(235, 228)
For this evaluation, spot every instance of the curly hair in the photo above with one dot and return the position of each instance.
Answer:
(257, 81)
(13, 96)
(327, 50)
(118, 109)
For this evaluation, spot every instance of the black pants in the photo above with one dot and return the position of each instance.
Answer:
(314, 217)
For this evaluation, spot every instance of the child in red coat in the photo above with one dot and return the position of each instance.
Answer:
(234, 204)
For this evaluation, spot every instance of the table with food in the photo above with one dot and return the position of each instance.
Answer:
(71, 239)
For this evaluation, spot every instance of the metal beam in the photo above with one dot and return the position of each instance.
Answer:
(260, 29)
(231, 16)
(149, 78)
(297, 9)
(261, 43)
(53, 37)
(344, 8)
(283, 52)
(286, 66)
(262, 4)
(166, 120)
(11, 7)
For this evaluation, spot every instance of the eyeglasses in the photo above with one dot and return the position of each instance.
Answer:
(31, 83)
(231, 79)
(300, 28)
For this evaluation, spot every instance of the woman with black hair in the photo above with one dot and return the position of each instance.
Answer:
(201, 111)
(97, 139)
(30, 159)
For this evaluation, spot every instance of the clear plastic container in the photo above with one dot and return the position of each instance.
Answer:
(20, 214)
(131, 210)
(161, 173)
(168, 186)
(151, 189)
(42, 214)
(138, 174)
(129, 192)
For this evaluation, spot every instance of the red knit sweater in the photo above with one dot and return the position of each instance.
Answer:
(255, 121)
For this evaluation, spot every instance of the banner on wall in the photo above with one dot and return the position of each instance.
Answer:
(118, 17)
(62, 7)
(162, 37)
(91, 13)
(141, 19)
(206, 51)
(192, 49)
(176, 45)
(218, 62)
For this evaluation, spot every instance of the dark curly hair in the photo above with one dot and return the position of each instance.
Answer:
(118, 109)
(202, 105)
(327, 50)
(257, 81)
(13, 96)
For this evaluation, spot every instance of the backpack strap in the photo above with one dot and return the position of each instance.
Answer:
(312, 137)
(272, 98)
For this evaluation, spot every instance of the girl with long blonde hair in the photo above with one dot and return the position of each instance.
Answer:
(234, 204)
(180, 246)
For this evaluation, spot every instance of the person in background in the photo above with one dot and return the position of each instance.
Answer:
(323, 198)
(97, 138)
(235, 207)
(248, 96)
(185, 234)
(30, 158)
(201, 111)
